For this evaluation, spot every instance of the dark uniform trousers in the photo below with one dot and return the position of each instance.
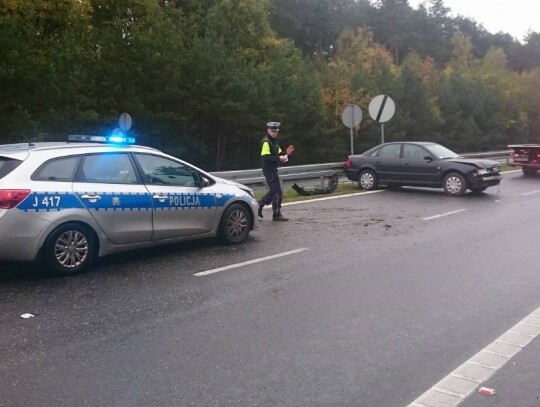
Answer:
(274, 194)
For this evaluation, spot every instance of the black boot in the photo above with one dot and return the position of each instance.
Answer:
(260, 211)
(279, 217)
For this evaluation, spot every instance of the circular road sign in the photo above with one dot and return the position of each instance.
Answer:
(351, 116)
(124, 122)
(382, 108)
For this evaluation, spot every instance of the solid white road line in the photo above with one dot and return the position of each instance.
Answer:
(445, 214)
(245, 263)
(333, 197)
(463, 381)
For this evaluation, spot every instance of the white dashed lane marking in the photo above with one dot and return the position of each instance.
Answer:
(445, 214)
(246, 263)
(530, 193)
(463, 381)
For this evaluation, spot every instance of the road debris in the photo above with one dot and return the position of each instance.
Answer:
(27, 315)
(332, 185)
(486, 391)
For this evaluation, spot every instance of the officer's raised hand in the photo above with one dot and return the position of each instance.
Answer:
(290, 149)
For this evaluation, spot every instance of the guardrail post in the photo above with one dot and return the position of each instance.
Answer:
(322, 181)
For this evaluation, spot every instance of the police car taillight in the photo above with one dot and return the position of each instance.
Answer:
(10, 198)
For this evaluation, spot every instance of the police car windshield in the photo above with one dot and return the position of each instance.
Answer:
(7, 165)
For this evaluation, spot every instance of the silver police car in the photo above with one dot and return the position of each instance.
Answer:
(65, 203)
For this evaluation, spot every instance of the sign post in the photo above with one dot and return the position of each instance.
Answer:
(382, 109)
(351, 118)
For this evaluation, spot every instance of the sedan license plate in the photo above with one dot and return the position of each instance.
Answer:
(491, 178)
(521, 159)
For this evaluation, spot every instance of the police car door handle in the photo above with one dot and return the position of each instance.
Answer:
(161, 198)
(91, 197)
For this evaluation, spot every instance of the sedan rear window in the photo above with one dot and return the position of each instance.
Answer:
(7, 165)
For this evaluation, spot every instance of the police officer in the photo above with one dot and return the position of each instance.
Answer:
(272, 156)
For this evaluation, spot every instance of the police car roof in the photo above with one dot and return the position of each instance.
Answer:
(29, 146)
(23, 149)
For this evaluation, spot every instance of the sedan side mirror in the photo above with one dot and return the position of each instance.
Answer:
(428, 158)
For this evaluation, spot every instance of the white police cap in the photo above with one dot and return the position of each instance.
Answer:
(273, 125)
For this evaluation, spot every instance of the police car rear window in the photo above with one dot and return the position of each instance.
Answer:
(7, 165)
(60, 170)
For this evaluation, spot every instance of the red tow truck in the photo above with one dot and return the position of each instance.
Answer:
(526, 156)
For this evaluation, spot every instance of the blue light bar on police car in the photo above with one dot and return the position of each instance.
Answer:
(113, 139)
(121, 139)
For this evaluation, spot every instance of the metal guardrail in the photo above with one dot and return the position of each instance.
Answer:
(319, 171)
(289, 173)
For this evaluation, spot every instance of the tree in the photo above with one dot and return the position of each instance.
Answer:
(418, 115)
(313, 25)
(393, 25)
(238, 76)
(529, 53)
(480, 102)
(528, 91)
(360, 70)
(42, 66)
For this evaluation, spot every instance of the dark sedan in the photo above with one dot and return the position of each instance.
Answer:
(421, 164)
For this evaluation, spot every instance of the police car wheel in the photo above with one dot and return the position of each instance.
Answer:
(68, 249)
(235, 224)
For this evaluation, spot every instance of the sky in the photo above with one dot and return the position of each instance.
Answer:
(514, 17)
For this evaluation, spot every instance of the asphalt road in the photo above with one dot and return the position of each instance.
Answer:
(366, 300)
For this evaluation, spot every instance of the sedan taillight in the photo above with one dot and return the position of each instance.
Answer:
(10, 198)
(348, 163)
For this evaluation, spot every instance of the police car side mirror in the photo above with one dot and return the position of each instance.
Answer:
(200, 181)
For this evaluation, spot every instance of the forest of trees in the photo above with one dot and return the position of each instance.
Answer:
(201, 78)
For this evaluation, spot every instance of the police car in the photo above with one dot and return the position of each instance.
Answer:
(65, 203)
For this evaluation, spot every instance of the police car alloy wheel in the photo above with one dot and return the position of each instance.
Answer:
(235, 224)
(68, 249)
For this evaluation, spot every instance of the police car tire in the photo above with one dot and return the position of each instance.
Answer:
(235, 224)
(84, 238)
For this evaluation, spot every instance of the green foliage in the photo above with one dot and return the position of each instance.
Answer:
(201, 78)
(417, 117)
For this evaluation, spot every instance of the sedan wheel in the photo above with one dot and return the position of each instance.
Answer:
(68, 249)
(235, 224)
(454, 184)
(367, 180)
